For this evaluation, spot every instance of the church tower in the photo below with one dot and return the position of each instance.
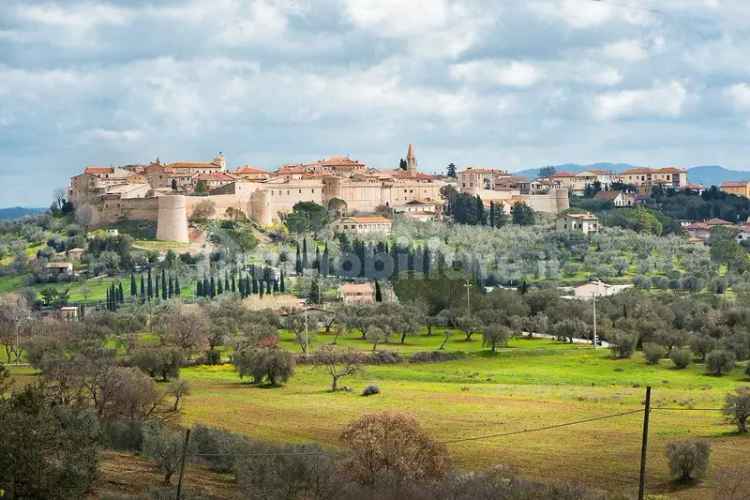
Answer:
(411, 161)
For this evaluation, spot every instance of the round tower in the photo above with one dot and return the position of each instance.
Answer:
(562, 200)
(171, 223)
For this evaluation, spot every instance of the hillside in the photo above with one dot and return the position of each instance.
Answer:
(708, 175)
(18, 212)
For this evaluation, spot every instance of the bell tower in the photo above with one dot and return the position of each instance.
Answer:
(411, 161)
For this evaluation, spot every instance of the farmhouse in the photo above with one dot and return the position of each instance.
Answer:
(584, 223)
(357, 293)
(617, 198)
(364, 224)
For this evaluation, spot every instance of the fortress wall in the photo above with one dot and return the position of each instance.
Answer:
(172, 220)
(553, 202)
(221, 203)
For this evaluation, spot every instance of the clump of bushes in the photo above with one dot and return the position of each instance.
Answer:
(720, 362)
(622, 345)
(384, 358)
(688, 460)
(681, 357)
(371, 390)
(435, 356)
(653, 352)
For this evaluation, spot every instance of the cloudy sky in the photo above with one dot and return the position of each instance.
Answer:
(504, 83)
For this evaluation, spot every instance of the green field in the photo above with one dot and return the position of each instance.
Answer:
(530, 384)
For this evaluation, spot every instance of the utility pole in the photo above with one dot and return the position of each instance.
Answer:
(644, 446)
(182, 464)
(468, 286)
(307, 336)
(596, 339)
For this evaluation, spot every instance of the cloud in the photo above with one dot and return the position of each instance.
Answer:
(506, 73)
(664, 100)
(739, 95)
(626, 50)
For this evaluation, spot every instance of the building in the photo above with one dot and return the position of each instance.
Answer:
(105, 195)
(739, 188)
(502, 188)
(617, 198)
(668, 177)
(357, 293)
(59, 268)
(702, 230)
(584, 223)
(363, 224)
(418, 210)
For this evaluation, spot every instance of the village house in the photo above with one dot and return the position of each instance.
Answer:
(357, 293)
(59, 268)
(618, 198)
(363, 224)
(669, 177)
(702, 230)
(584, 223)
(739, 188)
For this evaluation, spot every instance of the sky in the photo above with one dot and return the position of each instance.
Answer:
(507, 84)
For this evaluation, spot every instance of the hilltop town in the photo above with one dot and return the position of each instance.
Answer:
(171, 193)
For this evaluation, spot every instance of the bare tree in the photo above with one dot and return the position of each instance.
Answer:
(14, 313)
(338, 364)
(178, 389)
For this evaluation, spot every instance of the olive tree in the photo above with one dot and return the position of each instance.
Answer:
(338, 364)
(737, 408)
(720, 362)
(688, 460)
(495, 335)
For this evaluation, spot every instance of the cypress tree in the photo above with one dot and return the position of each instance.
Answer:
(143, 288)
(241, 286)
(150, 285)
(492, 214)
(316, 264)
(199, 288)
(255, 286)
(305, 262)
(378, 292)
(325, 264)
(219, 286)
(226, 281)
(170, 287)
(426, 264)
(297, 263)
(133, 287)
(394, 258)
(262, 290)
(107, 301)
(234, 284)
(163, 284)
(314, 296)
(206, 286)
(282, 285)
(275, 286)
(268, 287)
(176, 285)
(212, 287)
(120, 292)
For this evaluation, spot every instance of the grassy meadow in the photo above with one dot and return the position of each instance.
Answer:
(532, 383)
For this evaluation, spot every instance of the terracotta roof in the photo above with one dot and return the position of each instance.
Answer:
(98, 170)
(215, 176)
(192, 164)
(638, 170)
(357, 288)
(474, 170)
(607, 195)
(646, 170)
(735, 183)
(563, 174)
(247, 169)
(585, 216)
(718, 222)
(369, 219)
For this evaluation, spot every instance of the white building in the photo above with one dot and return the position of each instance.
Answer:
(584, 223)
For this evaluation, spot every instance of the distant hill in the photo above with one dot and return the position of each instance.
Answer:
(708, 175)
(18, 212)
(714, 175)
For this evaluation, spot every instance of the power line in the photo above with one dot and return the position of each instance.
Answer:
(545, 428)
(687, 409)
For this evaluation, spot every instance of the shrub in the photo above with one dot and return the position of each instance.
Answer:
(123, 435)
(720, 362)
(737, 407)
(271, 364)
(371, 390)
(623, 345)
(681, 357)
(384, 358)
(653, 352)
(688, 460)
(164, 446)
(270, 472)
(213, 357)
(435, 356)
(216, 448)
(391, 446)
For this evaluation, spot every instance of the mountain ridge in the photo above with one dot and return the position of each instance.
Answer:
(708, 175)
